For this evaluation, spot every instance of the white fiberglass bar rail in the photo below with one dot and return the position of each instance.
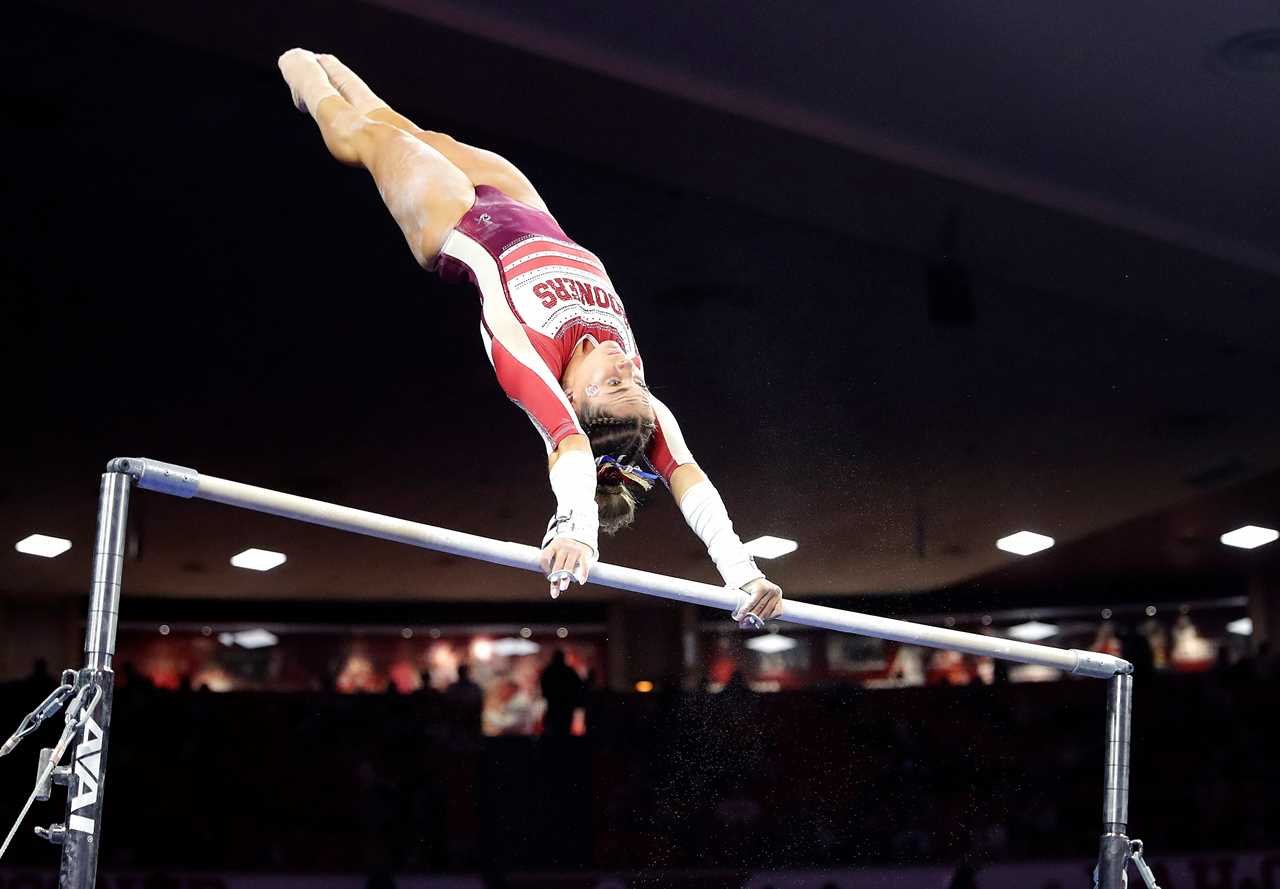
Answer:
(183, 482)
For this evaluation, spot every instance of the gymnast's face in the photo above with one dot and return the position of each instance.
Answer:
(610, 382)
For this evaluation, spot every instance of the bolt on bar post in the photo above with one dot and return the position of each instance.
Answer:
(1113, 855)
(87, 781)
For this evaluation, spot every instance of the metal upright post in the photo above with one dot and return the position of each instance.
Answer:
(88, 770)
(1113, 855)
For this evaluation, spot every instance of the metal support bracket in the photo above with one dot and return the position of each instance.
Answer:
(60, 775)
(155, 475)
(1144, 869)
(54, 833)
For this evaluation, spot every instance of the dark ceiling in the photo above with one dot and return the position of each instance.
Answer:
(975, 288)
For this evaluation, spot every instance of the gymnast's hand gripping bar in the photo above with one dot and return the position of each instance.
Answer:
(180, 481)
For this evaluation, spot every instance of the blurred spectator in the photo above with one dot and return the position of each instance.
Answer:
(509, 710)
(1191, 652)
(1264, 661)
(1106, 640)
(463, 692)
(465, 700)
(1135, 647)
(135, 679)
(564, 690)
(1000, 673)
(590, 691)
(736, 685)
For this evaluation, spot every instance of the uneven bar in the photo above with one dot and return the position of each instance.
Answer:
(184, 482)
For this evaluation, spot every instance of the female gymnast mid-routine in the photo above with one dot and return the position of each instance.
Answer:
(552, 323)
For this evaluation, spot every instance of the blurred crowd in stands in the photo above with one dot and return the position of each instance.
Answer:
(326, 781)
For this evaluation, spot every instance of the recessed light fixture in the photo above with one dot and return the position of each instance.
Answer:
(771, 643)
(1032, 631)
(1249, 537)
(562, 632)
(258, 638)
(406, 633)
(1241, 627)
(512, 646)
(770, 547)
(258, 559)
(1024, 543)
(644, 686)
(43, 545)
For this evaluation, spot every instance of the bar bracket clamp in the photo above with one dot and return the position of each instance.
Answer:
(155, 475)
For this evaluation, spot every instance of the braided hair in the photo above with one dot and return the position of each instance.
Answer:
(625, 439)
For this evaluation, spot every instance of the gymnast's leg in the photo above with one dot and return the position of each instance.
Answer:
(482, 167)
(425, 192)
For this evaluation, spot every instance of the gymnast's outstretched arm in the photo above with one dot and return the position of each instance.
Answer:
(707, 516)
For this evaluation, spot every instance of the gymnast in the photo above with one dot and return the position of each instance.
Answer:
(554, 328)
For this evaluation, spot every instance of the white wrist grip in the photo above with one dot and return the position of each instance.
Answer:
(706, 514)
(573, 480)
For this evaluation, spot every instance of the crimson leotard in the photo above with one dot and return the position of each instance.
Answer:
(541, 295)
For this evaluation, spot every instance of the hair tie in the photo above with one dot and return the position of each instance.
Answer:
(612, 470)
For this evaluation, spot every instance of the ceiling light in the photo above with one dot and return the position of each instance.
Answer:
(562, 632)
(1241, 627)
(511, 647)
(770, 547)
(1024, 543)
(1249, 537)
(258, 638)
(258, 559)
(255, 639)
(1032, 631)
(771, 643)
(644, 686)
(43, 545)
